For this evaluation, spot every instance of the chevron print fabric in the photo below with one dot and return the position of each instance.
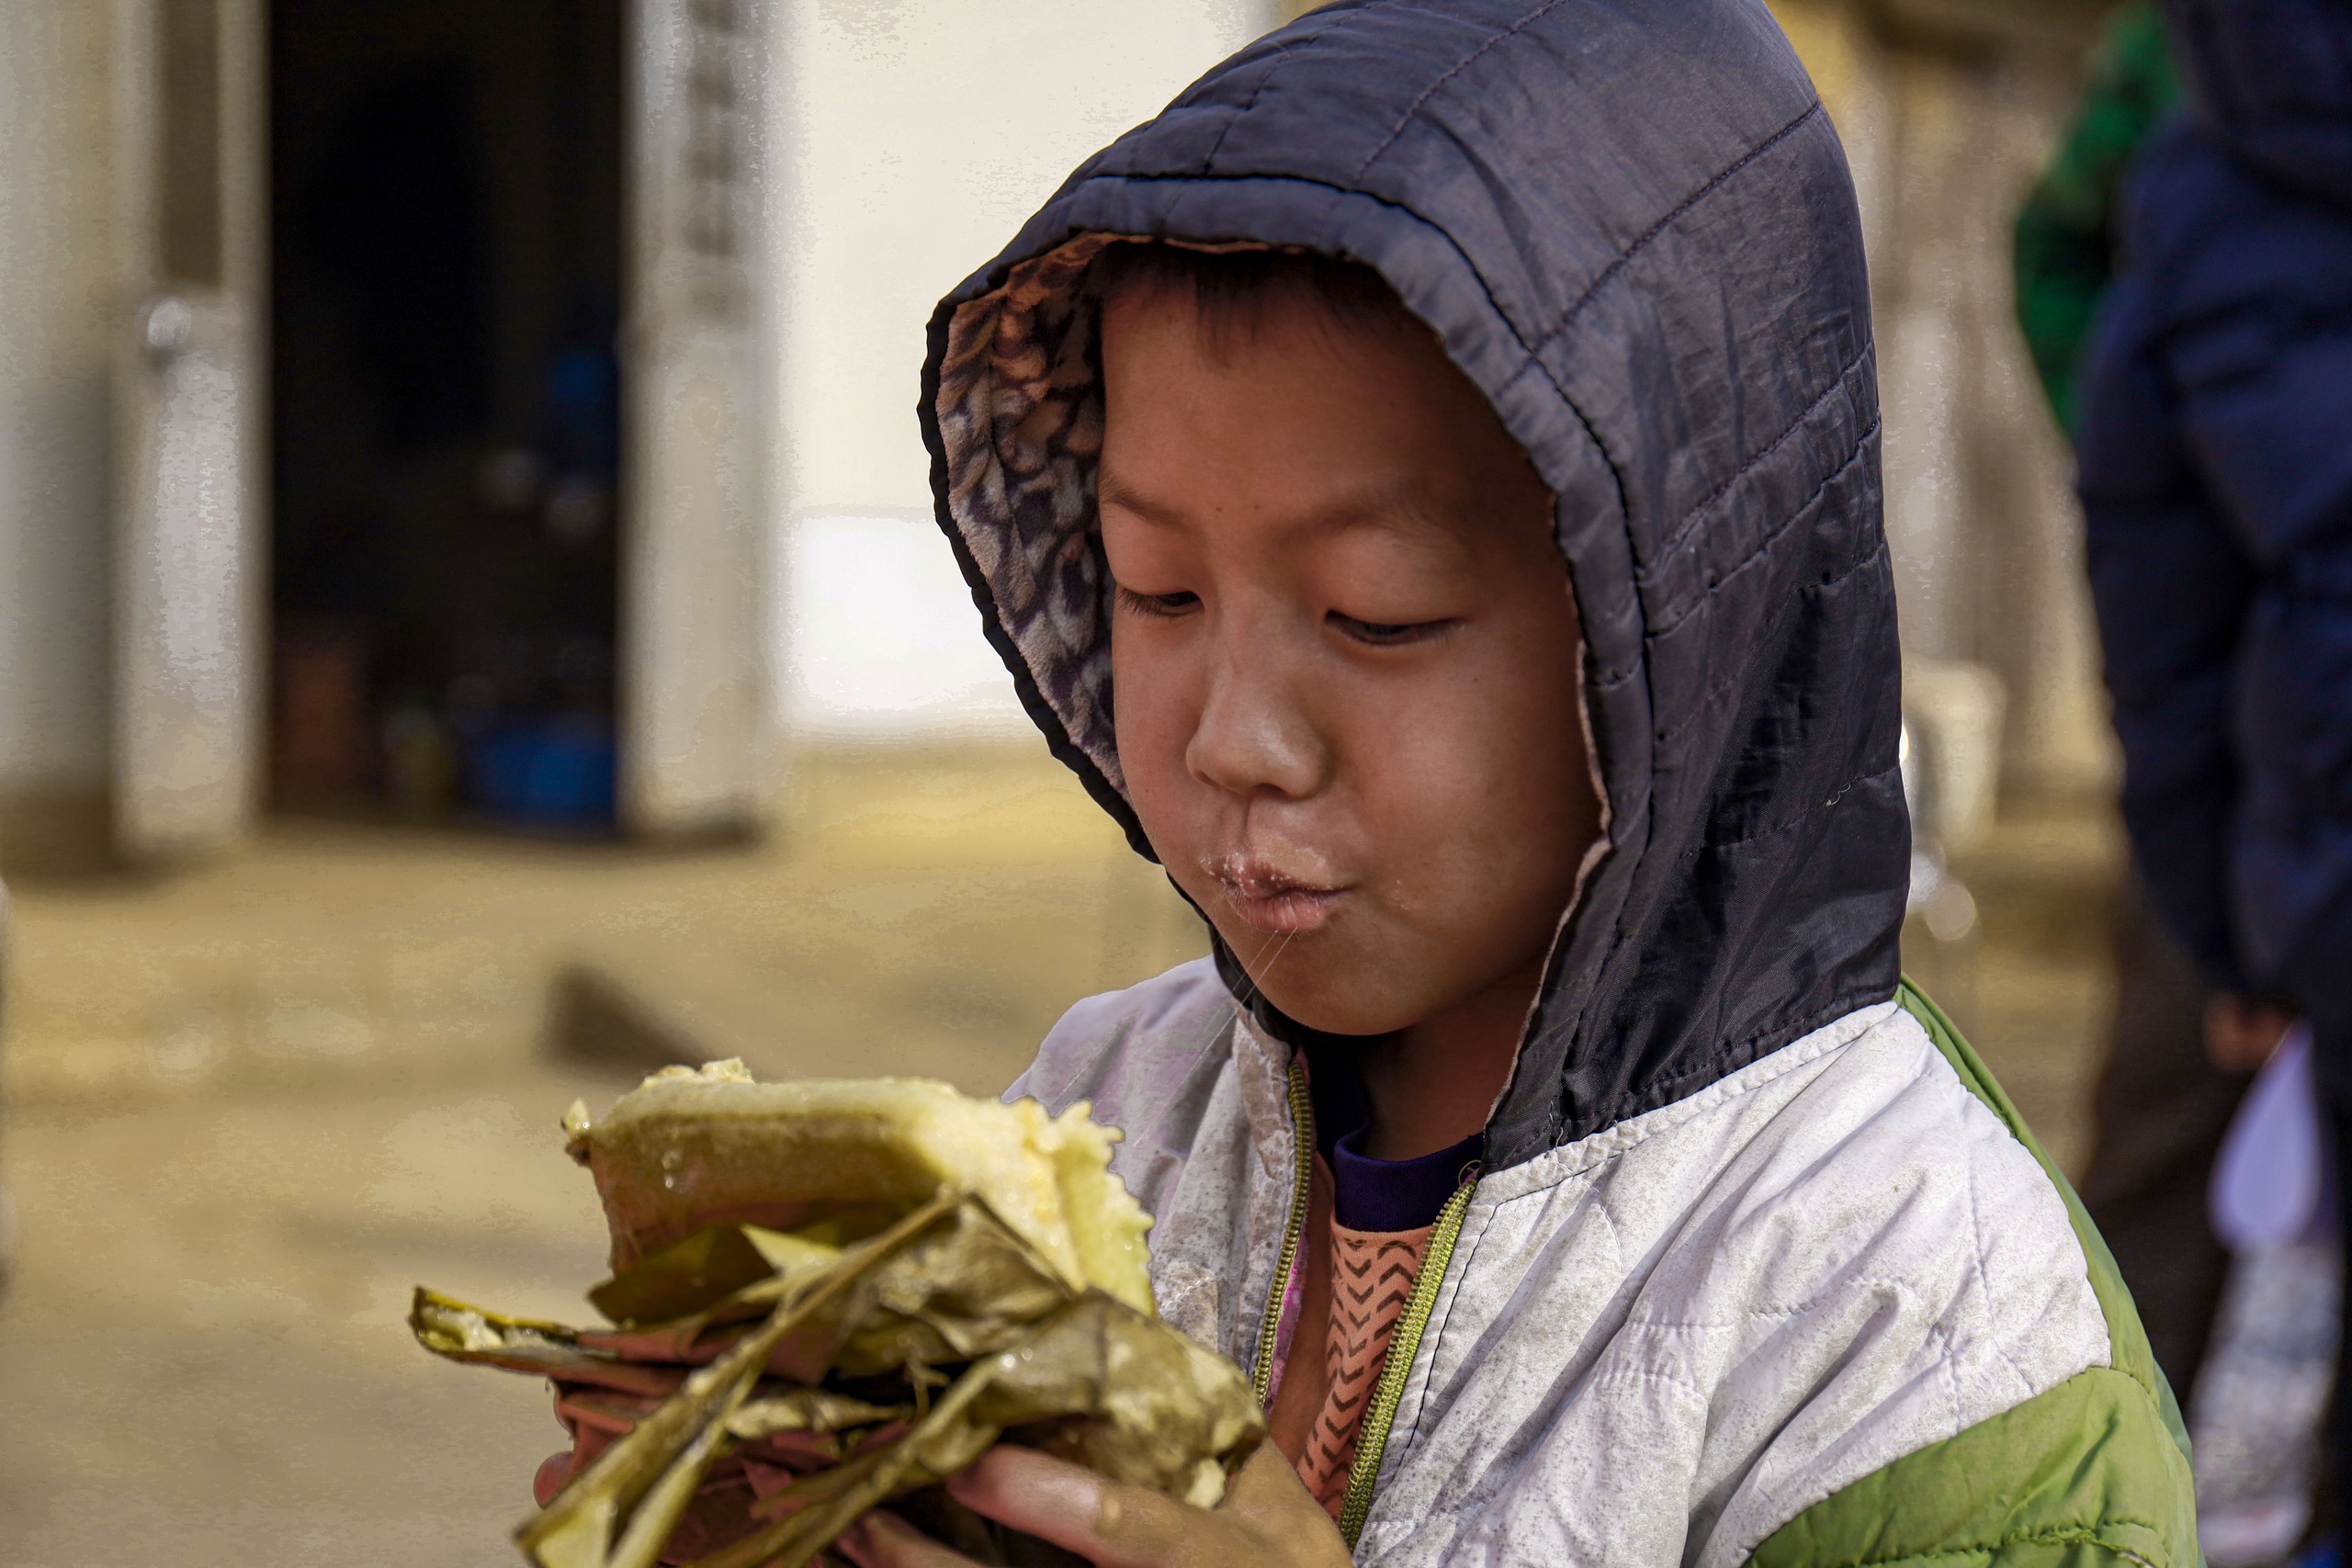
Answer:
(1372, 1279)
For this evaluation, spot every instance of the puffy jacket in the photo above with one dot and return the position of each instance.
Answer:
(1759, 1266)
(2215, 443)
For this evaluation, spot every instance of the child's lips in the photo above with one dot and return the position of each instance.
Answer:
(1274, 901)
(1294, 912)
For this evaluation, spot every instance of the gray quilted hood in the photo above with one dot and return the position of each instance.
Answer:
(1631, 225)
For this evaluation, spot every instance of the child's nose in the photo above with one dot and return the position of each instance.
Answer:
(1253, 736)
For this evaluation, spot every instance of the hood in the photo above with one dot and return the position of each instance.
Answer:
(2271, 80)
(1630, 224)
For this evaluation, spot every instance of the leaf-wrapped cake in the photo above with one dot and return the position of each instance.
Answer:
(829, 1296)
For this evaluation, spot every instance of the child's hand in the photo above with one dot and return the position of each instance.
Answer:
(1267, 1521)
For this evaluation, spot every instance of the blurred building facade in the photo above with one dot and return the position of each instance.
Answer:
(1948, 109)
(414, 403)
(663, 352)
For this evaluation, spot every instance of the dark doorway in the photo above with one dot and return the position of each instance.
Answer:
(445, 294)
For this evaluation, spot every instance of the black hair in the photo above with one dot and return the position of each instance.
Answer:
(1229, 288)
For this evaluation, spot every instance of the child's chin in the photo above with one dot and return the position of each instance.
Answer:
(1331, 1002)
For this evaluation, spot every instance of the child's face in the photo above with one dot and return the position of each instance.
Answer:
(1344, 658)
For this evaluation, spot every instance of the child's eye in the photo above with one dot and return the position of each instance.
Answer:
(1385, 634)
(1164, 605)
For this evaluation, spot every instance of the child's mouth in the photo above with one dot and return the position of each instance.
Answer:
(1272, 900)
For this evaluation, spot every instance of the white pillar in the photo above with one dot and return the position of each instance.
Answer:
(189, 417)
(913, 138)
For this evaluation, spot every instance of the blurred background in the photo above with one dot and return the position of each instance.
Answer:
(472, 629)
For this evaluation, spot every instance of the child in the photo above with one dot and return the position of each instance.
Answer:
(1426, 485)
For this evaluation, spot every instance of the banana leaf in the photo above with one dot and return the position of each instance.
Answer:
(620, 1512)
(1154, 1408)
(1109, 1388)
(462, 1332)
(964, 1288)
(809, 1410)
(706, 1269)
(767, 1384)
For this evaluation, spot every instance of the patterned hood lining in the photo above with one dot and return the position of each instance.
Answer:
(1020, 414)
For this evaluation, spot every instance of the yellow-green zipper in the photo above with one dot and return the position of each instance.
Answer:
(1302, 1130)
(1396, 1365)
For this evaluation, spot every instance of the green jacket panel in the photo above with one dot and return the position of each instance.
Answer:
(2094, 1470)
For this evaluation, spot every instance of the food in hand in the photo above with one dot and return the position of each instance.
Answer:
(829, 1296)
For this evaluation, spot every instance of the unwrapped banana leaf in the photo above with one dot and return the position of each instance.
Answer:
(463, 1333)
(621, 1511)
(1097, 1383)
(886, 1279)
(704, 1269)
(950, 1287)
(951, 1291)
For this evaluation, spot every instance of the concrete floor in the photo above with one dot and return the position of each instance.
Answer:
(202, 1357)
(251, 1105)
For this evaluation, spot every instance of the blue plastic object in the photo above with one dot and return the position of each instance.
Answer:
(544, 771)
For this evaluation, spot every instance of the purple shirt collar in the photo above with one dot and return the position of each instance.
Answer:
(1370, 1194)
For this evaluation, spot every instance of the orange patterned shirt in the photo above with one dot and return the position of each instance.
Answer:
(1372, 1275)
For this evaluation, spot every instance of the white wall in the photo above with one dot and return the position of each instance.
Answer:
(913, 137)
(916, 137)
(57, 288)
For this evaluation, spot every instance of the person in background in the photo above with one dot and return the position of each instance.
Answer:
(2162, 1103)
(2214, 434)
(2066, 231)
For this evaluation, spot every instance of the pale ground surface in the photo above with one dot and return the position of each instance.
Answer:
(2033, 986)
(253, 1105)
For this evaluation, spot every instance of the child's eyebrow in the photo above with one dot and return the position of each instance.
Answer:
(1399, 505)
(1109, 492)
(1396, 506)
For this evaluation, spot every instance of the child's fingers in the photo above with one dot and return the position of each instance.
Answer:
(1111, 1525)
(1266, 1484)
(886, 1541)
(1267, 1519)
(553, 1473)
(1267, 1498)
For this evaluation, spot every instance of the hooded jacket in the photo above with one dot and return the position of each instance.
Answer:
(2216, 478)
(1761, 1263)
